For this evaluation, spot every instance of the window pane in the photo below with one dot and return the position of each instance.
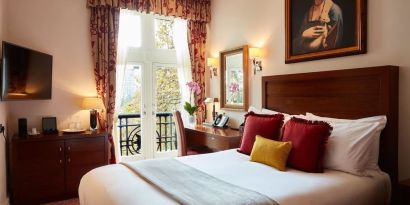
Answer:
(130, 29)
(163, 34)
(130, 101)
(168, 94)
(129, 118)
(168, 98)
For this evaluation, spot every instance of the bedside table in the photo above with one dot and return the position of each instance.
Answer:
(404, 192)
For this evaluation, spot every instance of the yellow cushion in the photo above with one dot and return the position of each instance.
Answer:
(270, 152)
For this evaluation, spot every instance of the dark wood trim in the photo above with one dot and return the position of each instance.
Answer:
(351, 93)
(245, 50)
(359, 48)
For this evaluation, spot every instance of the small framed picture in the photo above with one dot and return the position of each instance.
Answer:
(318, 29)
(49, 125)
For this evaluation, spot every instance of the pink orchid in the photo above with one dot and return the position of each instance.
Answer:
(194, 87)
(234, 87)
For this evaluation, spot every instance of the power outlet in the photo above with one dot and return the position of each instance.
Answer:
(1, 128)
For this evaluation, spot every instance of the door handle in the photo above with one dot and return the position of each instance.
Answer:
(143, 112)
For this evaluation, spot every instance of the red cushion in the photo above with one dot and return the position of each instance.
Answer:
(308, 140)
(267, 126)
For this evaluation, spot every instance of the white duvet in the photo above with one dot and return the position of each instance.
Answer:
(117, 185)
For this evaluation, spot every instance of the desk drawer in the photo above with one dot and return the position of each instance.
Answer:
(214, 142)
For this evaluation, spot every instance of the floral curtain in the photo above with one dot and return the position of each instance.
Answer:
(104, 38)
(193, 10)
(197, 48)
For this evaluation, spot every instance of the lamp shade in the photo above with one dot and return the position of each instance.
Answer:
(211, 100)
(93, 103)
(211, 62)
(255, 52)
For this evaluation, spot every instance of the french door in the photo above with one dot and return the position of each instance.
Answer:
(147, 87)
(146, 126)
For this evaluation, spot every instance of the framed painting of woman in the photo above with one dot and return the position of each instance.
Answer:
(318, 29)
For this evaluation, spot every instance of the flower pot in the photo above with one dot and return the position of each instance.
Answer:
(191, 119)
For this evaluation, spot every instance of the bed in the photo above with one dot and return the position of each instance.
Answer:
(352, 93)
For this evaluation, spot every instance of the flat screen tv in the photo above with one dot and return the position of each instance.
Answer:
(26, 74)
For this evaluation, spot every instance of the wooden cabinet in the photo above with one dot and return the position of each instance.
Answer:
(404, 192)
(49, 168)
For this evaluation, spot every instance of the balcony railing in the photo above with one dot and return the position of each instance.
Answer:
(130, 133)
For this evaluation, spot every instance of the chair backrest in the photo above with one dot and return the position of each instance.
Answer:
(180, 129)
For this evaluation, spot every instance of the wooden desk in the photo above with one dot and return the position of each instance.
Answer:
(216, 139)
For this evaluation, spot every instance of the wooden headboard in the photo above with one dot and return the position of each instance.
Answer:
(349, 94)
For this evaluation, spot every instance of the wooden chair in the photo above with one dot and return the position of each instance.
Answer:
(181, 138)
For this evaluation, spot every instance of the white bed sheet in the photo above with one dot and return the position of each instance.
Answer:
(117, 185)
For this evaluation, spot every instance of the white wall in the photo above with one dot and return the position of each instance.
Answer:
(261, 23)
(3, 114)
(60, 28)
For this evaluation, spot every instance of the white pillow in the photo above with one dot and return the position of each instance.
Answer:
(272, 112)
(254, 109)
(380, 118)
(354, 144)
(287, 116)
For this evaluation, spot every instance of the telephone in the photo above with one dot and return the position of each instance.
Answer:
(221, 121)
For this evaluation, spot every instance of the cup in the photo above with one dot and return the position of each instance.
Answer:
(71, 126)
(78, 125)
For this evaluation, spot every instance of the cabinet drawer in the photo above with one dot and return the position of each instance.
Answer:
(86, 151)
(34, 166)
(83, 155)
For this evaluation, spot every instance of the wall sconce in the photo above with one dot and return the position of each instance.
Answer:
(255, 54)
(211, 63)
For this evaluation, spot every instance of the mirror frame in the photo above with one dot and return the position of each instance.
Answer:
(245, 50)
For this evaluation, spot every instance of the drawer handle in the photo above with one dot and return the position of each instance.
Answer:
(60, 149)
(61, 161)
(69, 148)
(68, 160)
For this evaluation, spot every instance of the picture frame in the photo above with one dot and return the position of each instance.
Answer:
(234, 90)
(49, 125)
(319, 29)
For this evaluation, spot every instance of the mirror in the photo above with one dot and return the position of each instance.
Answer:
(234, 78)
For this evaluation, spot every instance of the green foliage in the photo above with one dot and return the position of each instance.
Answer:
(168, 94)
(134, 105)
(190, 109)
